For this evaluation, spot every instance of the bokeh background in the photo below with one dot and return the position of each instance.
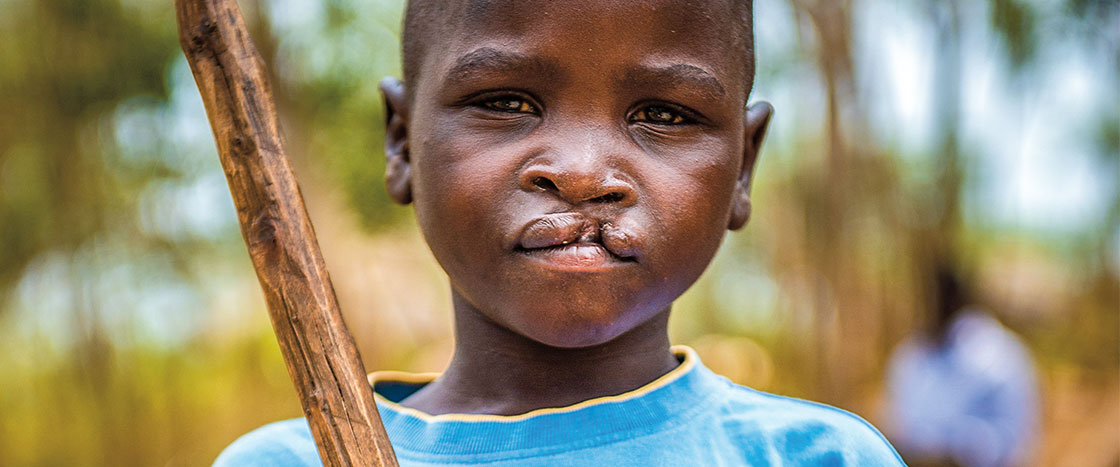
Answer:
(133, 331)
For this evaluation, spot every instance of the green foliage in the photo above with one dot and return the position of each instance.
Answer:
(330, 62)
(140, 406)
(66, 63)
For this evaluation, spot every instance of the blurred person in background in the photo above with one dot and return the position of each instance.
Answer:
(963, 392)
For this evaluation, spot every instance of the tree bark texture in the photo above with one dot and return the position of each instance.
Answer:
(318, 349)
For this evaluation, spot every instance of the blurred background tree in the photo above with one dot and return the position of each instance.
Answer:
(132, 331)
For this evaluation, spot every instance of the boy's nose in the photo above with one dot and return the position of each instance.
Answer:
(578, 183)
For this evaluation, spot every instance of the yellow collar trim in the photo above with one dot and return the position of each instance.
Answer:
(686, 353)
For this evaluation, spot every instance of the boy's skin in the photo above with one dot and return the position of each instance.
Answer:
(574, 166)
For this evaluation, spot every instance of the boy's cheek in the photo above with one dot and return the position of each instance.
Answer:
(689, 232)
(477, 124)
(460, 203)
(473, 141)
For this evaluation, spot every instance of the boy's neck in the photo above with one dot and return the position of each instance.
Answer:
(497, 371)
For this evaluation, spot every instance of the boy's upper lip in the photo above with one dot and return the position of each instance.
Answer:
(551, 230)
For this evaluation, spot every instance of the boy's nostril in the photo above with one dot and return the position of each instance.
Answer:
(612, 197)
(545, 184)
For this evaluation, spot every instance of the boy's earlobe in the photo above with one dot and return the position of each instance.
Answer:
(755, 123)
(398, 165)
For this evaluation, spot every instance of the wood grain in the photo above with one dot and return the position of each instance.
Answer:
(318, 349)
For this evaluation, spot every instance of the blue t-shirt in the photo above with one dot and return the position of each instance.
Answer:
(689, 416)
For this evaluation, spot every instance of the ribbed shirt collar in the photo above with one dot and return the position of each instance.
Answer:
(664, 403)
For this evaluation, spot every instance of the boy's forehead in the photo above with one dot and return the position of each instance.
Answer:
(712, 35)
(478, 11)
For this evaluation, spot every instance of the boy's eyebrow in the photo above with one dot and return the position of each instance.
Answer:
(674, 75)
(487, 59)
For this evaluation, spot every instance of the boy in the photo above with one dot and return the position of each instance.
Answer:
(573, 167)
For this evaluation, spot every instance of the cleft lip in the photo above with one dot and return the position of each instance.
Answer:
(553, 230)
(574, 228)
(621, 242)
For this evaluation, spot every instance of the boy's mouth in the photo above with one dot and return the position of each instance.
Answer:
(575, 240)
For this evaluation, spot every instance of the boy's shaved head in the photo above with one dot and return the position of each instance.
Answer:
(420, 19)
(427, 21)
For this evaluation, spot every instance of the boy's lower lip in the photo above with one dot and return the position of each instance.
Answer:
(576, 257)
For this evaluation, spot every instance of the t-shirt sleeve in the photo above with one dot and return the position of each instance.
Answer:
(868, 447)
(282, 444)
(838, 438)
(778, 430)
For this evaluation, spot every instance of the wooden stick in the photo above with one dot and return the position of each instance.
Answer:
(318, 350)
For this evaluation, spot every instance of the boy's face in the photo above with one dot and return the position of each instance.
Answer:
(575, 164)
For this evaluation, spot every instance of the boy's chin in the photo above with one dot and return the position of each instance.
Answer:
(570, 327)
(571, 339)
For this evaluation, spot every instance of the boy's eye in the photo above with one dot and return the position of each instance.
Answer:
(510, 104)
(658, 114)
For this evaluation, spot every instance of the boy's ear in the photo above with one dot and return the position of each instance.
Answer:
(755, 123)
(398, 165)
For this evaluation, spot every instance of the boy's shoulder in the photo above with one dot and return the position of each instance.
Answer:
(284, 443)
(801, 432)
